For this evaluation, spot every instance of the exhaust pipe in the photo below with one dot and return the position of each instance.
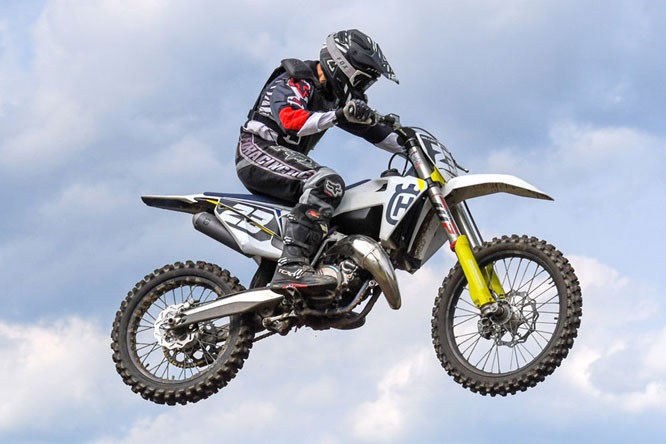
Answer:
(208, 224)
(370, 256)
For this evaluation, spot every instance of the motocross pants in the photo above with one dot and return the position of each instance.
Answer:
(267, 168)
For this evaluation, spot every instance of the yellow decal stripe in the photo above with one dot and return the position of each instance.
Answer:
(246, 217)
(436, 176)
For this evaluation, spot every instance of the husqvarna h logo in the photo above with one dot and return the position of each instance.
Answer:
(401, 200)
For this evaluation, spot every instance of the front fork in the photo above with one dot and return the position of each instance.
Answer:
(480, 281)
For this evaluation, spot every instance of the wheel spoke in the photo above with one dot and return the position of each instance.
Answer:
(506, 273)
(514, 354)
(210, 293)
(475, 313)
(468, 303)
(538, 332)
(538, 343)
(164, 305)
(206, 353)
(469, 318)
(472, 347)
(471, 337)
(143, 358)
(544, 303)
(520, 285)
(517, 348)
(486, 355)
(515, 278)
(499, 368)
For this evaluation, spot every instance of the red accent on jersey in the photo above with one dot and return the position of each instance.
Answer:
(293, 119)
(302, 88)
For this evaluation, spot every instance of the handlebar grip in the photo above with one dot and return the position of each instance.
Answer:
(387, 120)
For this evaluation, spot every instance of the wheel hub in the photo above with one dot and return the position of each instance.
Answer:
(167, 335)
(519, 311)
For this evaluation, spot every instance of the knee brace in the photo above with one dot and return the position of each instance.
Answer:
(323, 191)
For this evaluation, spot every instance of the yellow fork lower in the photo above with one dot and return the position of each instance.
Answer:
(480, 281)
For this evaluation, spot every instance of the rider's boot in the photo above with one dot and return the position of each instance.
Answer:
(303, 233)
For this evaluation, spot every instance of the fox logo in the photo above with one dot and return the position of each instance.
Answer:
(332, 189)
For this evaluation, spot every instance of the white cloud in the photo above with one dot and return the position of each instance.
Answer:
(655, 357)
(64, 129)
(586, 146)
(618, 358)
(185, 160)
(54, 372)
(389, 417)
(239, 423)
(111, 62)
(79, 199)
(587, 154)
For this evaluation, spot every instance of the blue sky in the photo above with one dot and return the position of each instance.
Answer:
(103, 101)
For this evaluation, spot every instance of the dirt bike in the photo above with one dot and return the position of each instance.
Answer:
(505, 316)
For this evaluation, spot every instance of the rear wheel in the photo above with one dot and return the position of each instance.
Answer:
(500, 358)
(170, 366)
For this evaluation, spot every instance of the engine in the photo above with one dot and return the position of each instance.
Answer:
(350, 278)
(354, 260)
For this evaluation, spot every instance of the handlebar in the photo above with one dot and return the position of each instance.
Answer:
(392, 120)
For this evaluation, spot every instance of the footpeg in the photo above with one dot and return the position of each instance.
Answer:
(279, 324)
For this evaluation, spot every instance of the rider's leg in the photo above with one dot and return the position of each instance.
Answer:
(305, 228)
(283, 173)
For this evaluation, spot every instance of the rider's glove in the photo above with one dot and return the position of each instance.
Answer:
(358, 112)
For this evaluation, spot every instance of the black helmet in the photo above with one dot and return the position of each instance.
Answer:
(351, 62)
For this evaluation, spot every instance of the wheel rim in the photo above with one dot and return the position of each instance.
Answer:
(535, 300)
(206, 343)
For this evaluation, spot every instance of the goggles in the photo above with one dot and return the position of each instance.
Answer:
(361, 81)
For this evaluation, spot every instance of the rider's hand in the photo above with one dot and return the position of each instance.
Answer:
(357, 111)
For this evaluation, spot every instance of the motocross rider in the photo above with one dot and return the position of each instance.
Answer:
(298, 103)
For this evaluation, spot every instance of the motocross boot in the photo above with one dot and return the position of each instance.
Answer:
(303, 233)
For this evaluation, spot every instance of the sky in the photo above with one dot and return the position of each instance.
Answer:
(103, 101)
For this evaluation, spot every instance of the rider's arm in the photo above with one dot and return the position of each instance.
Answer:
(380, 135)
(289, 103)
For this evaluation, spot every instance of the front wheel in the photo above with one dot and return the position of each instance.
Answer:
(167, 365)
(541, 289)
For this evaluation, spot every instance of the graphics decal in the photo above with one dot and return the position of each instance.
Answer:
(235, 220)
(254, 154)
(400, 202)
(439, 154)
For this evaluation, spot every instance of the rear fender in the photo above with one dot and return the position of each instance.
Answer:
(194, 203)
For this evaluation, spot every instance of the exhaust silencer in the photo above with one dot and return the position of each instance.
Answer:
(208, 224)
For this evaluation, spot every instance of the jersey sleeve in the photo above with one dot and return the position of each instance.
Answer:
(380, 135)
(289, 103)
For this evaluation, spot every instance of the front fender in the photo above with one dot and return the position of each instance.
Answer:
(469, 186)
